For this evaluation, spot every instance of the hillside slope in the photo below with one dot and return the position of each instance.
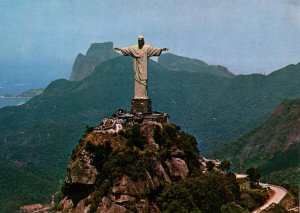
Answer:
(273, 147)
(180, 63)
(36, 138)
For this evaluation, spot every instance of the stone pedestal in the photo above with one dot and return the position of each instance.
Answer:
(141, 105)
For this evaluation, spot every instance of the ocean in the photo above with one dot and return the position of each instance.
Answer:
(12, 101)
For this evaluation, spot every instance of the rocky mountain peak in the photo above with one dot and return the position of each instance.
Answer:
(84, 65)
(120, 172)
(99, 47)
(147, 167)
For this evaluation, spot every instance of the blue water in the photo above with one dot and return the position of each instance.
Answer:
(12, 101)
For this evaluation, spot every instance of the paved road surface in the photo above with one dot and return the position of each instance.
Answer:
(240, 175)
(278, 195)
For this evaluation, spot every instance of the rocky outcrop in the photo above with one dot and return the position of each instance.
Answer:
(67, 206)
(177, 168)
(84, 65)
(81, 170)
(123, 172)
(106, 205)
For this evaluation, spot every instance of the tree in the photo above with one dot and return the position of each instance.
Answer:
(136, 138)
(225, 165)
(253, 174)
(210, 166)
(232, 207)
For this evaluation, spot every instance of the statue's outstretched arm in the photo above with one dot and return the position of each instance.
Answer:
(124, 50)
(165, 49)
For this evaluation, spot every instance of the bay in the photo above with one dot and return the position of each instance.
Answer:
(12, 101)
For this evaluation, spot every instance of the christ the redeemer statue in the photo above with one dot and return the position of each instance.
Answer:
(140, 53)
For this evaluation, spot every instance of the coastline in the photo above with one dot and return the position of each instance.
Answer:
(13, 97)
(12, 101)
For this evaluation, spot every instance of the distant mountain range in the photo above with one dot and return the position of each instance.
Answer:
(84, 65)
(179, 63)
(273, 146)
(36, 139)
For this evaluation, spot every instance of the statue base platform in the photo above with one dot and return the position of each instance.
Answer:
(141, 106)
(122, 118)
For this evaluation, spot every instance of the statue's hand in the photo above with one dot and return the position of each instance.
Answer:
(165, 49)
(116, 49)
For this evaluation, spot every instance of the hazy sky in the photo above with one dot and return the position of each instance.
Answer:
(246, 36)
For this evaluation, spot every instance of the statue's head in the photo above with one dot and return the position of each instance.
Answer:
(141, 40)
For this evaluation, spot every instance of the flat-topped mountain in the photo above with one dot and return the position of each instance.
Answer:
(84, 65)
(179, 63)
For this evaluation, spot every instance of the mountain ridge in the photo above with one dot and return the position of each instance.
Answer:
(175, 63)
(45, 129)
(272, 146)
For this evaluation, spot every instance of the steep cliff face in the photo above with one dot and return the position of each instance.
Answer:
(122, 172)
(84, 65)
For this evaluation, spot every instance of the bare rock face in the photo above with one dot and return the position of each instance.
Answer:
(148, 129)
(81, 170)
(125, 186)
(108, 206)
(160, 177)
(66, 205)
(83, 207)
(84, 65)
(177, 168)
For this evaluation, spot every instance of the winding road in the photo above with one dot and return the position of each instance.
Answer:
(279, 193)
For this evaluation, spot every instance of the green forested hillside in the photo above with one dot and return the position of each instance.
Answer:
(179, 63)
(273, 147)
(36, 139)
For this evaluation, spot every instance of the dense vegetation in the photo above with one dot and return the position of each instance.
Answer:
(179, 63)
(211, 192)
(273, 147)
(129, 154)
(36, 139)
(31, 93)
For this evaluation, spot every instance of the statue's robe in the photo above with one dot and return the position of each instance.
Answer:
(140, 59)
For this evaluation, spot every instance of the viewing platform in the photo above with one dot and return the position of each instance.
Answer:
(122, 118)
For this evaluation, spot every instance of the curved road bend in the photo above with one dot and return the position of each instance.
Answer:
(278, 195)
